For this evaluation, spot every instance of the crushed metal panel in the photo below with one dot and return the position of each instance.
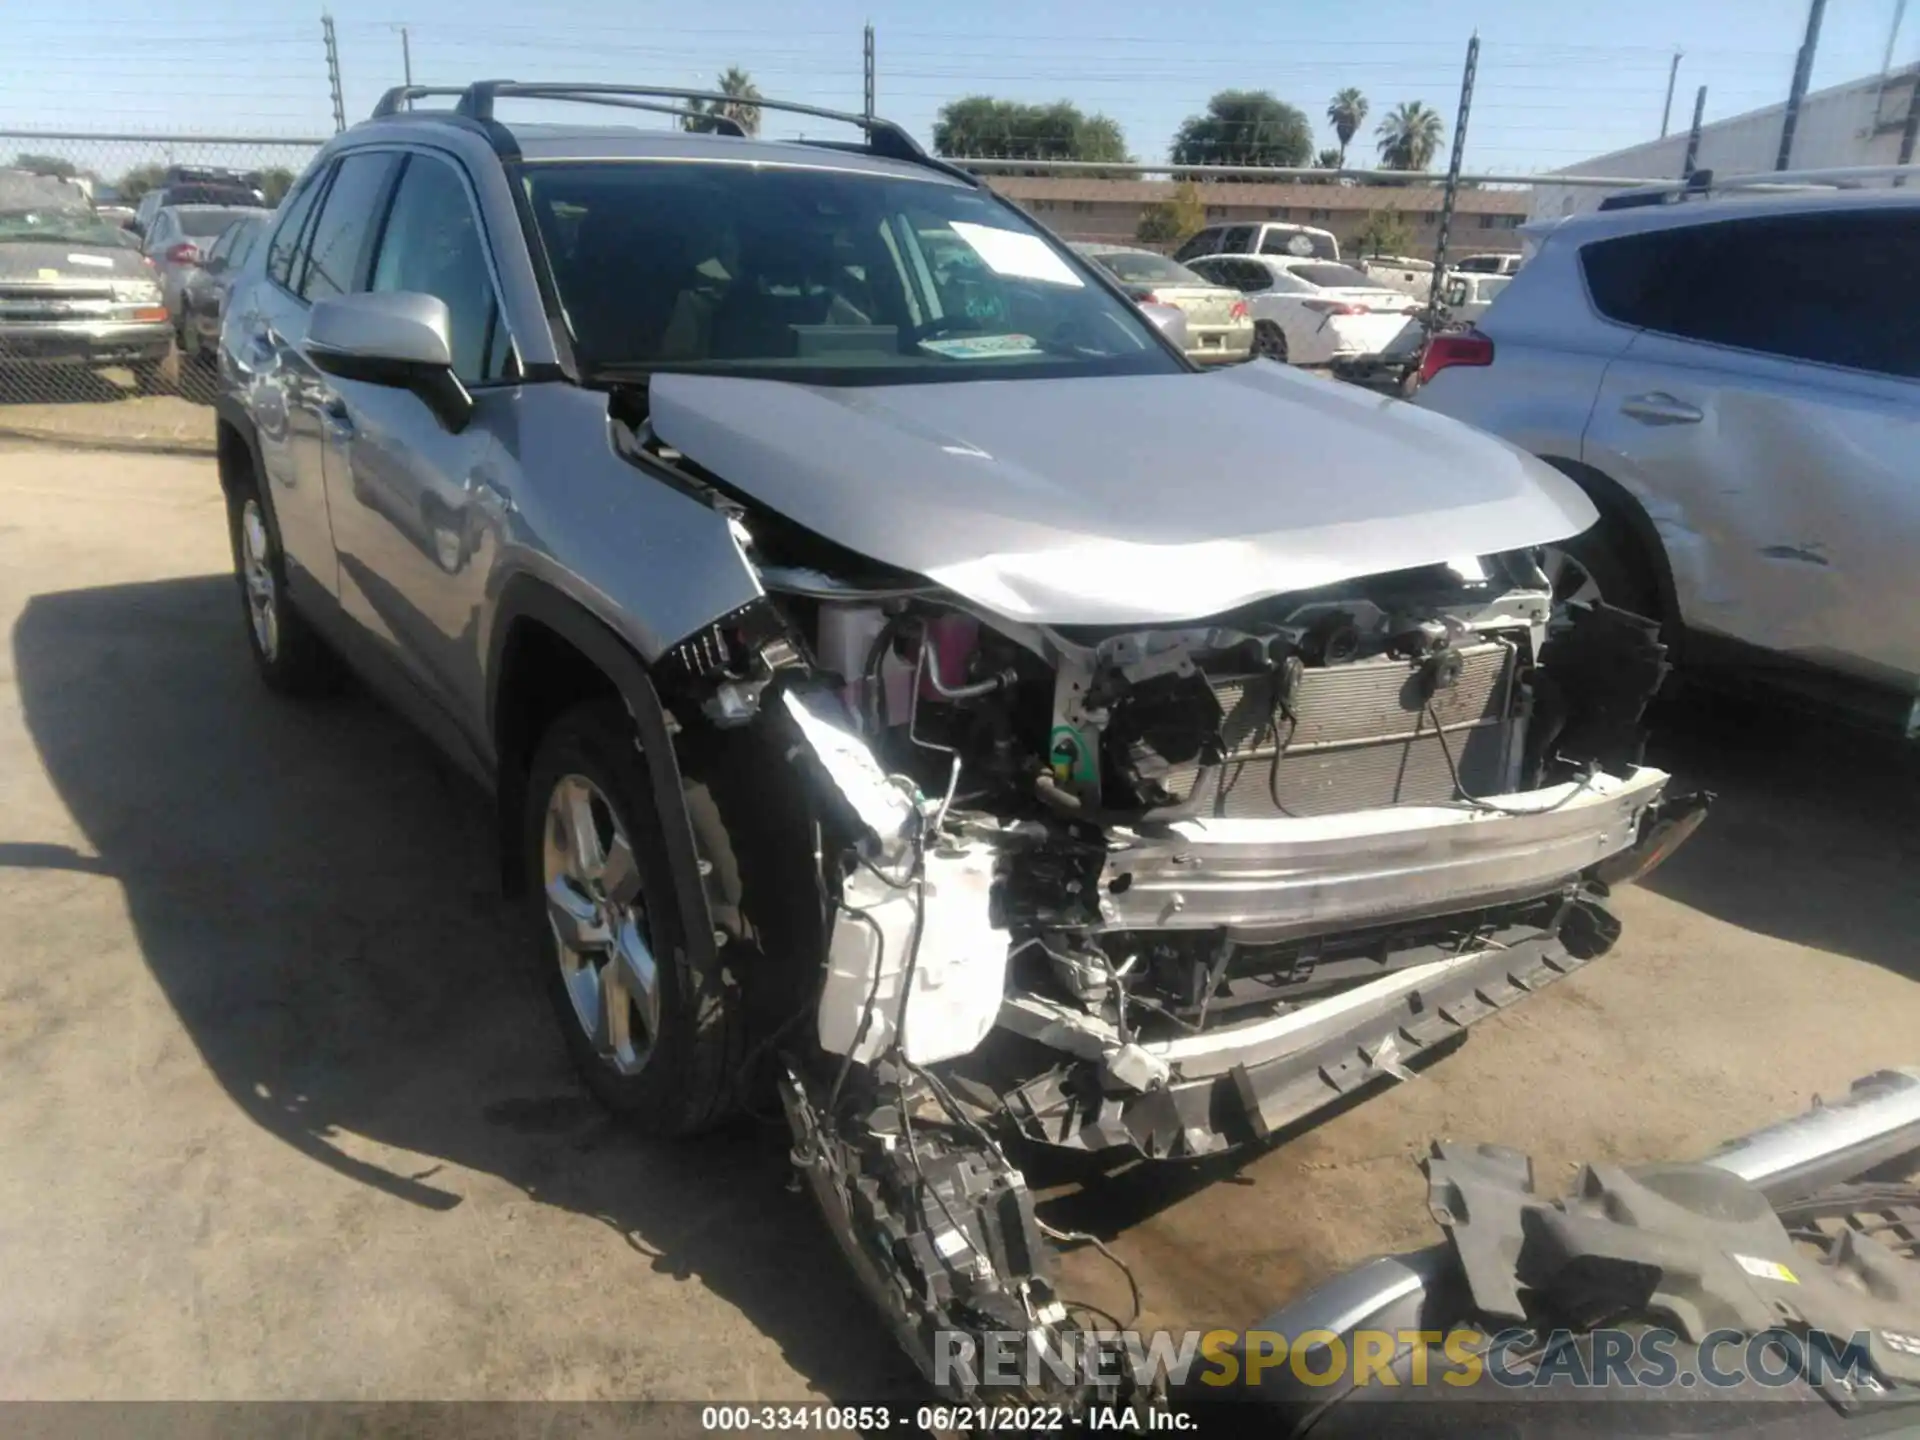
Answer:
(1026, 498)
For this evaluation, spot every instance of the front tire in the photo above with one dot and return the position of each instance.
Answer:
(653, 1024)
(289, 655)
(1270, 341)
(1602, 564)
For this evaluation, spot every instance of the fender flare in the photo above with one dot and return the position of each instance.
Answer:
(526, 598)
(230, 412)
(1614, 501)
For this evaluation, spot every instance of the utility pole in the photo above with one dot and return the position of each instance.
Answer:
(333, 75)
(406, 60)
(1802, 73)
(1899, 14)
(867, 69)
(1693, 136)
(1453, 185)
(1673, 74)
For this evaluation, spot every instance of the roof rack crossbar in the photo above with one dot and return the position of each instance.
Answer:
(722, 124)
(395, 100)
(884, 138)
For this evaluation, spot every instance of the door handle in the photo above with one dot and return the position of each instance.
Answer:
(1659, 408)
(486, 495)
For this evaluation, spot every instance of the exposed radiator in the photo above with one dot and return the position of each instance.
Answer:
(1363, 740)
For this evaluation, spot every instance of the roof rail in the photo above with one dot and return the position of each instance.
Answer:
(884, 138)
(1704, 183)
(396, 103)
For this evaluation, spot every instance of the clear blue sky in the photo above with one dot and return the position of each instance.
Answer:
(1558, 82)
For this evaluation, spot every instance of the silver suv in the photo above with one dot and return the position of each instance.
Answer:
(907, 683)
(1734, 379)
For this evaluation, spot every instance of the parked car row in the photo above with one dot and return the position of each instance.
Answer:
(83, 286)
(1298, 310)
(75, 290)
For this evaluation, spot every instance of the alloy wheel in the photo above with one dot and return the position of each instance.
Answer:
(1568, 581)
(263, 591)
(598, 917)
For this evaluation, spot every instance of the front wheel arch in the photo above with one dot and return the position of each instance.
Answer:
(1627, 519)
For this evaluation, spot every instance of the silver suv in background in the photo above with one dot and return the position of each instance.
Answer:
(1735, 381)
(906, 682)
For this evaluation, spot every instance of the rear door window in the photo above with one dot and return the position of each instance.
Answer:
(1837, 289)
(283, 254)
(1203, 242)
(1238, 239)
(1251, 275)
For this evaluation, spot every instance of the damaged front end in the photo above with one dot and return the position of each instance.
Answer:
(1162, 891)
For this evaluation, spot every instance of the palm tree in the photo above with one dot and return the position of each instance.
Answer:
(738, 86)
(1409, 136)
(1347, 111)
(1328, 159)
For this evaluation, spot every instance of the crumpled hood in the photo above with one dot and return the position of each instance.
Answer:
(1123, 500)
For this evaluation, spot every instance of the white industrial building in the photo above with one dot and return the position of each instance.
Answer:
(1864, 122)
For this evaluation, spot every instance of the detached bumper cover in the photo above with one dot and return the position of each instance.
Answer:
(1338, 871)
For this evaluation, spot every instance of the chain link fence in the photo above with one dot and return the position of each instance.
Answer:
(106, 307)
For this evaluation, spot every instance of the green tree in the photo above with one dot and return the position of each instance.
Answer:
(52, 166)
(1409, 136)
(1346, 112)
(274, 183)
(1383, 232)
(1329, 159)
(982, 127)
(739, 106)
(1169, 221)
(137, 181)
(1244, 127)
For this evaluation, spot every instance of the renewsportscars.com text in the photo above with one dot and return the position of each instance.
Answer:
(1601, 1360)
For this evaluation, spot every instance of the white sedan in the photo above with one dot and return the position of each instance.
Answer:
(1311, 312)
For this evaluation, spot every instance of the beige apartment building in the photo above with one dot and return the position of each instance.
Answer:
(1087, 209)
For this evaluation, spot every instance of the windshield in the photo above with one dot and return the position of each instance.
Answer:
(64, 227)
(209, 221)
(1141, 267)
(1334, 276)
(822, 276)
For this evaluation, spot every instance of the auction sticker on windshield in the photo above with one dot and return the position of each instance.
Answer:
(1009, 252)
(983, 347)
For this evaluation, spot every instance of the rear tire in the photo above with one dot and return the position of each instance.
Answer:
(1269, 341)
(654, 1025)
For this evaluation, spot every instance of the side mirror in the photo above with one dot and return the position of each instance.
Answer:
(395, 338)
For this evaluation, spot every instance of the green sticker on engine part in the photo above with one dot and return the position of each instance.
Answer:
(1070, 756)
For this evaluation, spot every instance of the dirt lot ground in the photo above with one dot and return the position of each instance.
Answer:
(283, 1113)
